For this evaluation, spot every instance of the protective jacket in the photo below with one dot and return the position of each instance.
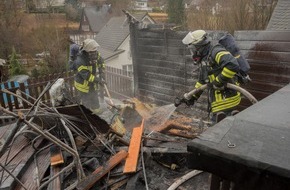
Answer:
(221, 66)
(74, 51)
(87, 72)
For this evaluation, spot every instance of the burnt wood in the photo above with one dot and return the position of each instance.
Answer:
(164, 68)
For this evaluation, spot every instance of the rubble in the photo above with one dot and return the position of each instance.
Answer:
(69, 147)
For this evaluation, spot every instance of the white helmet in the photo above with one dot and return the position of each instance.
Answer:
(90, 45)
(197, 37)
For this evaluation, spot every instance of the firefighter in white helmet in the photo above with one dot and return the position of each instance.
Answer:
(217, 67)
(90, 74)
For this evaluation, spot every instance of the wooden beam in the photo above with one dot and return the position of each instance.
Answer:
(56, 183)
(56, 156)
(134, 149)
(89, 181)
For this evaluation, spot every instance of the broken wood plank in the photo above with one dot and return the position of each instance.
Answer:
(89, 181)
(9, 180)
(113, 183)
(119, 184)
(134, 149)
(56, 157)
(56, 183)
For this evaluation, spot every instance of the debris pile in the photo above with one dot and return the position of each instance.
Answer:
(127, 146)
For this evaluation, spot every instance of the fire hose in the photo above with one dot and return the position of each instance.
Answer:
(187, 96)
(244, 92)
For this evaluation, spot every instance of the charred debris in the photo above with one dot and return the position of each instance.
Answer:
(129, 145)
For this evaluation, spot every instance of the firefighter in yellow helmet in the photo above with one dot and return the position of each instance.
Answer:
(218, 67)
(90, 74)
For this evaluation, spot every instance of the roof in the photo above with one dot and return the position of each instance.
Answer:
(113, 34)
(260, 134)
(97, 18)
(159, 17)
(280, 19)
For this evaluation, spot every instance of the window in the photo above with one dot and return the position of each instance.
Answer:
(85, 28)
(128, 69)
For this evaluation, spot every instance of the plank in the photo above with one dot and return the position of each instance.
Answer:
(56, 156)
(134, 149)
(56, 183)
(9, 181)
(89, 181)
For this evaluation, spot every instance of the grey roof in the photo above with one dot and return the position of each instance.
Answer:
(260, 133)
(280, 19)
(97, 18)
(113, 34)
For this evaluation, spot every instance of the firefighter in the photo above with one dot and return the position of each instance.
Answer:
(73, 52)
(90, 67)
(217, 67)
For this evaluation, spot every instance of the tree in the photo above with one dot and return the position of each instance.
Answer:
(30, 6)
(176, 12)
(16, 67)
(48, 38)
(10, 23)
(72, 13)
(231, 15)
(118, 5)
(262, 11)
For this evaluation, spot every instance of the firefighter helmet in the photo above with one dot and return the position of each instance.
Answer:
(196, 38)
(90, 45)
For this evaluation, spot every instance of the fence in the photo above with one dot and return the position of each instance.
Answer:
(163, 67)
(119, 83)
(31, 90)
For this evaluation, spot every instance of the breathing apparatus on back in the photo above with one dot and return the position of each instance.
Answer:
(199, 46)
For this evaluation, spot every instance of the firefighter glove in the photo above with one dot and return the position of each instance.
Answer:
(177, 102)
(99, 81)
(102, 82)
(218, 85)
(190, 102)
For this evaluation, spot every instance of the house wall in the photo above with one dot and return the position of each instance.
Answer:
(44, 3)
(123, 58)
(163, 68)
(84, 24)
(142, 5)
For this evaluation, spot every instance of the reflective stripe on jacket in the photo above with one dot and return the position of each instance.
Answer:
(223, 67)
(85, 76)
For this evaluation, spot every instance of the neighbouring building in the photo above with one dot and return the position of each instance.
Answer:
(280, 19)
(43, 4)
(142, 5)
(93, 19)
(114, 40)
(87, 3)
